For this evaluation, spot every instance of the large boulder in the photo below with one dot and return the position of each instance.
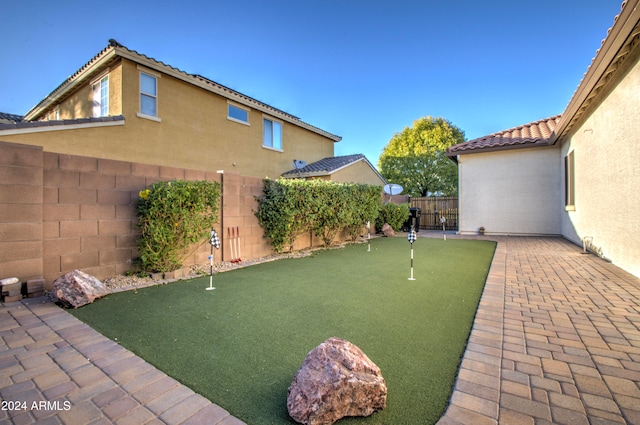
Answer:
(77, 288)
(335, 380)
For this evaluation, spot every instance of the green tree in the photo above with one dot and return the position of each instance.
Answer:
(416, 158)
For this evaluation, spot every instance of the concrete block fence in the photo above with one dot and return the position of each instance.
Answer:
(60, 212)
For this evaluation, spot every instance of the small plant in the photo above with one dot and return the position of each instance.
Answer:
(289, 208)
(393, 214)
(172, 216)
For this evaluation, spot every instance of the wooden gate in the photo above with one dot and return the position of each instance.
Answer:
(435, 207)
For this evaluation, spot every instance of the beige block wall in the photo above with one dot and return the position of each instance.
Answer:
(607, 176)
(21, 198)
(89, 216)
(510, 192)
(60, 212)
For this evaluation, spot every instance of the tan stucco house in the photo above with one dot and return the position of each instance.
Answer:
(123, 105)
(576, 174)
(344, 169)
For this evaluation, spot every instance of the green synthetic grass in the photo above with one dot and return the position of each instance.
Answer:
(241, 344)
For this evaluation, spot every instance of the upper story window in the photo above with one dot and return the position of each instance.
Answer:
(101, 97)
(148, 95)
(272, 134)
(236, 113)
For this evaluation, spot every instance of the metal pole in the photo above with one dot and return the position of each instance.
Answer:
(412, 278)
(210, 288)
(412, 239)
(368, 236)
(214, 241)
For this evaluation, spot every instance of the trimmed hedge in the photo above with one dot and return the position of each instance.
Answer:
(291, 207)
(394, 214)
(172, 216)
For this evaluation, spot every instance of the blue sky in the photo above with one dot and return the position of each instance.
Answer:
(361, 69)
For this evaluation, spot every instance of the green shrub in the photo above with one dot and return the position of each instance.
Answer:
(394, 214)
(172, 216)
(291, 207)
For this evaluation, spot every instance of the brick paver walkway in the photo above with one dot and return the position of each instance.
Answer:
(556, 340)
(54, 369)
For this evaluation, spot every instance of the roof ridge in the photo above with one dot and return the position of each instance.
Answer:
(537, 122)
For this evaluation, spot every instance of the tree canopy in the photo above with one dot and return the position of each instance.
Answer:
(416, 158)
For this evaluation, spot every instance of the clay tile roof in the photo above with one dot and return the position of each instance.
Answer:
(533, 134)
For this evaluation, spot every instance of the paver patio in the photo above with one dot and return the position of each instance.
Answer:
(556, 339)
(54, 369)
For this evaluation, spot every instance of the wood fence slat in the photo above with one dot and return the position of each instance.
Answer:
(435, 207)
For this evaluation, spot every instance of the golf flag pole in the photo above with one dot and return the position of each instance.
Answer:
(368, 236)
(412, 239)
(443, 220)
(214, 240)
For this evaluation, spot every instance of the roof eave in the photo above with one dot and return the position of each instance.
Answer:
(71, 83)
(618, 34)
(537, 144)
(291, 175)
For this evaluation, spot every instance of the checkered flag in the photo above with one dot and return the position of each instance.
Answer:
(214, 240)
(412, 236)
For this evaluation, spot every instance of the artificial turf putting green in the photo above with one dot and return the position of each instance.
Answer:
(241, 344)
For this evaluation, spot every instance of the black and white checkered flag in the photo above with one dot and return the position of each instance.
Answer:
(215, 240)
(412, 236)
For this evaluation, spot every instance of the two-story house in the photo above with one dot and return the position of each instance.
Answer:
(74, 164)
(123, 105)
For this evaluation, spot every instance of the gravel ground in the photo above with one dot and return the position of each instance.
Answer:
(125, 282)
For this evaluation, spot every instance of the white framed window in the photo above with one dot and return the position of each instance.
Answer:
(569, 182)
(238, 114)
(271, 134)
(148, 95)
(101, 97)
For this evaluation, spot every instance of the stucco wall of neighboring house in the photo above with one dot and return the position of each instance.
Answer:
(192, 132)
(510, 192)
(606, 151)
(79, 104)
(359, 172)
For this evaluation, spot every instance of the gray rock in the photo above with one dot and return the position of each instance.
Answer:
(77, 288)
(335, 380)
